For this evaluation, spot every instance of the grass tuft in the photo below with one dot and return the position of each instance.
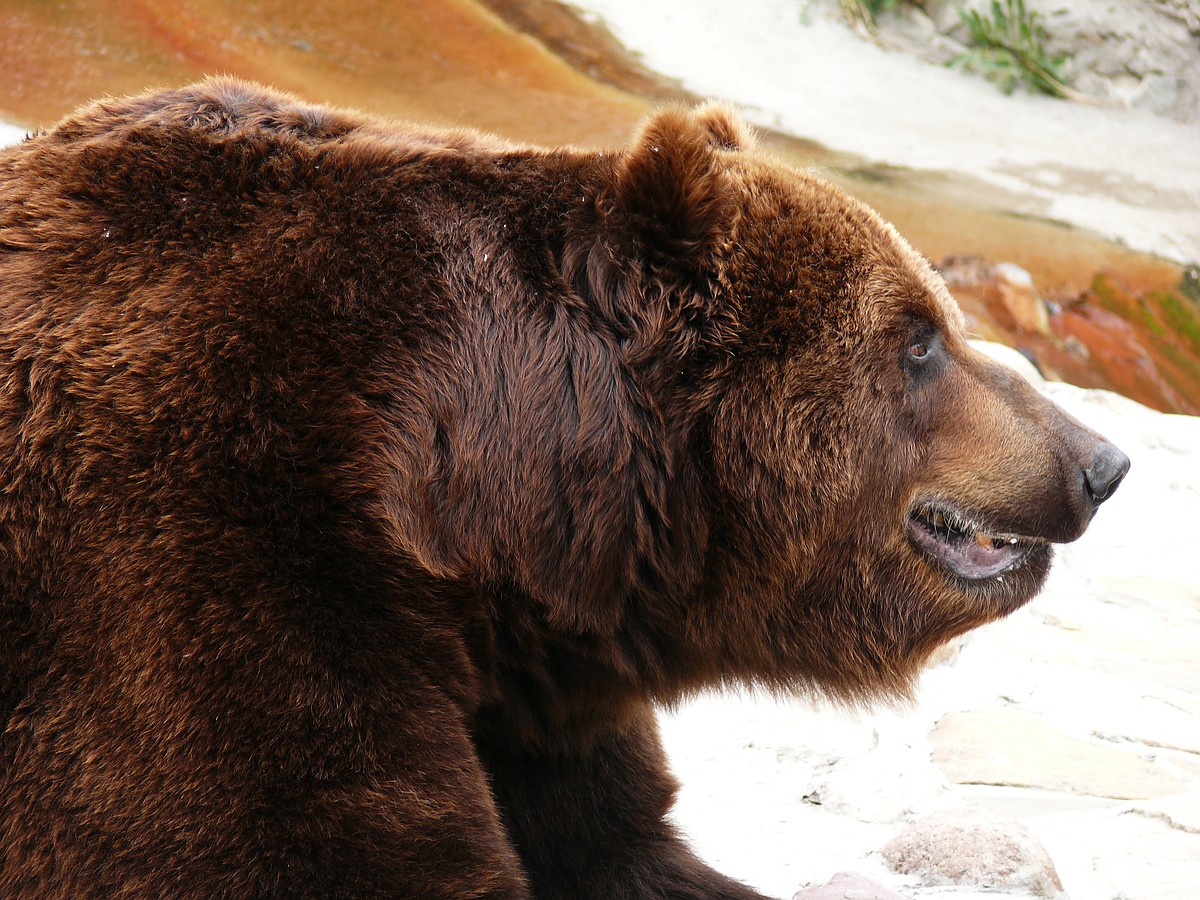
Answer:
(1008, 46)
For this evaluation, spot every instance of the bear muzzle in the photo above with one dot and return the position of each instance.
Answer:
(968, 536)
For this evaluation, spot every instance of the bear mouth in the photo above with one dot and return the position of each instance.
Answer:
(969, 550)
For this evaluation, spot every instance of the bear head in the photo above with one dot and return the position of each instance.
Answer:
(842, 482)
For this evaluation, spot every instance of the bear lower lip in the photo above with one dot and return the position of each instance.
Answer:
(965, 549)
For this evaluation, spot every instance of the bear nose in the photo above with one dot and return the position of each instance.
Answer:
(1102, 477)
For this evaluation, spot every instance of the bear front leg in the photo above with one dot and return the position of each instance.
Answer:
(591, 822)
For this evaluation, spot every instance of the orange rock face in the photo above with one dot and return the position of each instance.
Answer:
(445, 61)
(1145, 345)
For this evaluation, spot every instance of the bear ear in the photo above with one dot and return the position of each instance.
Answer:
(726, 129)
(671, 186)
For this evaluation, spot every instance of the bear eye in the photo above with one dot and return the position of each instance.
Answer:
(918, 350)
(923, 357)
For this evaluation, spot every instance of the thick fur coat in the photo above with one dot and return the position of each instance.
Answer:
(364, 485)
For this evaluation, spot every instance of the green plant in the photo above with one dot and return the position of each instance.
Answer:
(1008, 45)
(1189, 284)
(1182, 318)
(862, 13)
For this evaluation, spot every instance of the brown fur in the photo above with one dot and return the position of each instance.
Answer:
(364, 486)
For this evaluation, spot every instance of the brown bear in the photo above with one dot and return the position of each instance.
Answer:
(364, 487)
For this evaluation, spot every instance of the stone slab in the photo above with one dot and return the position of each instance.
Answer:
(1010, 747)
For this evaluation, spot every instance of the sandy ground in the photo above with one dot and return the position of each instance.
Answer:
(794, 66)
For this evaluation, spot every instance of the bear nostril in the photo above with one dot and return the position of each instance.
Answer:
(1102, 477)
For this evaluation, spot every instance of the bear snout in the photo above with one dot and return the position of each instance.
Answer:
(1065, 469)
(1102, 478)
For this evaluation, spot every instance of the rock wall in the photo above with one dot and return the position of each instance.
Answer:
(1139, 53)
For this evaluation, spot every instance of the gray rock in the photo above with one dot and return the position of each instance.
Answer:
(1186, 11)
(1159, 94)
(973, 847)
(944, 14)
(1139, 53)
